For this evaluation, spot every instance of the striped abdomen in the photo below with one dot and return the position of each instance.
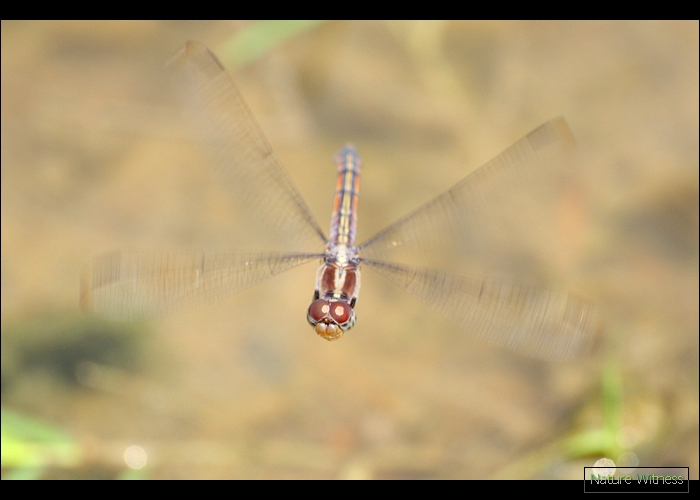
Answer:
(347, 190)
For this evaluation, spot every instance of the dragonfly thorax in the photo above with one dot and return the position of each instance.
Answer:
(342, 254)
(337, 288)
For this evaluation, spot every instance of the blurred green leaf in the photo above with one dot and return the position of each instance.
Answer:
(612, 396)
(24, 473)
(257, 39)
(133, 475)
(28, 444)
(602, 441)
(594, 442)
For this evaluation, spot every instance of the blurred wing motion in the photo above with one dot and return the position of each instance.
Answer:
(484, 202)
(130, 286)
(241, 156)
(538, 323)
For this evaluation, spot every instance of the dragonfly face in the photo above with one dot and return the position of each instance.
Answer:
(545, 324)
(331, 319)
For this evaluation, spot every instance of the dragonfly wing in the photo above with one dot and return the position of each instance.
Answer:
(494, 200)
(243, 159)
(129, 286)
(538, 323)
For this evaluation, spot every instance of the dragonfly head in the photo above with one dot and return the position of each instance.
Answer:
(331, 319)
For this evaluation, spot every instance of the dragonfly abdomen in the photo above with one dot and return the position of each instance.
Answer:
(347, 191)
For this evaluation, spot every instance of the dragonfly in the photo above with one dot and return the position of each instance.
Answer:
(536, 322)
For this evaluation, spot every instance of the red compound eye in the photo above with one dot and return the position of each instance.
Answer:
(318, 309)
(340, 312)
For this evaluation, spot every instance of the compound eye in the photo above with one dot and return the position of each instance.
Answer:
(340, 312)
(319, 309)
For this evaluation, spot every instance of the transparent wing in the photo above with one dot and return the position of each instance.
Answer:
(538, 323)
(497, 201)
(242, 158)
(129, 286)
(503, 197)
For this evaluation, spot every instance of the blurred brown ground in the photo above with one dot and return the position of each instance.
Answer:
(94, 159)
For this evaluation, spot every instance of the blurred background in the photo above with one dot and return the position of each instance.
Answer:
(95, 157)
